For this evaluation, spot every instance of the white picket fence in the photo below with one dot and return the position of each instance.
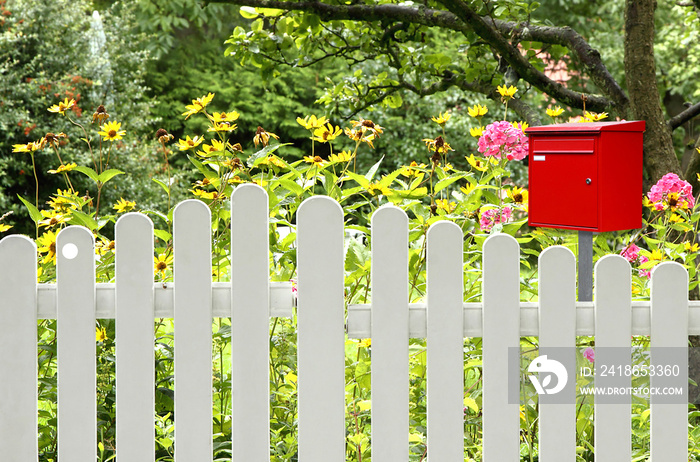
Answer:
(250, 299)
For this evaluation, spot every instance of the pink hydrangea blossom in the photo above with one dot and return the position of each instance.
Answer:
(504, 139)
(671, 192)
(589, 354)
(492, 217)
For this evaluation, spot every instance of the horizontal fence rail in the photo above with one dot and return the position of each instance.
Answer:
(192, 300)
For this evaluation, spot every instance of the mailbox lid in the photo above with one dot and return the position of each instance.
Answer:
(587, 127)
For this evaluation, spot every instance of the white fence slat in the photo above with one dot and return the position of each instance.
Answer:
(193, 328)
(134, 338)
(669, 328)
(390, 335)
(613, 328)
(557, 297)
(250, 323)
(18, 366)
(77, 409)
(445, 343)
(321, 336)
(501, 331)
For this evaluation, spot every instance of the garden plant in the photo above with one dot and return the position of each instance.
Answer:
(483, 191)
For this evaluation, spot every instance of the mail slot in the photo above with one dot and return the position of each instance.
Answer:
(586, 176)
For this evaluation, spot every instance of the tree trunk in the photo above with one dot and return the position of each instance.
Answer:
(645, 102)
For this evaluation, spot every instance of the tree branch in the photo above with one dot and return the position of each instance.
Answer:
(460, 18)
(679, 119)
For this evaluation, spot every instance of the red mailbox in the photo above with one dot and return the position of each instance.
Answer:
(586, 176)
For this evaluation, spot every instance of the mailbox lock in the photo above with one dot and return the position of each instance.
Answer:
(588, 181)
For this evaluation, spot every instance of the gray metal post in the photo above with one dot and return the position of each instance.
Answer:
(585, 266)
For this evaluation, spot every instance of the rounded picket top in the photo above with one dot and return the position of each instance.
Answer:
(612, 272)
(250, 193)
(192, 210)
(557, 255)
(133, 222)
(612, 263)
(17, 246)
(75, 243)
(669, 273)
(321, 208)
(389, 215)
(444, 230)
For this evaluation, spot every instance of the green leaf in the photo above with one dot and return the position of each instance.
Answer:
(207, 172)
(255, 158)
(90, 173)
(471, 404)
(359, 179)
(34, 213)
(442, 184)
(373, 170)
(163, 235)
(162, 185)
(83, 219)
(248, 12)
(292, 186)
(107, 175)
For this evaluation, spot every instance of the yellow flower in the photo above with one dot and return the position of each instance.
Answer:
(62, 106)
(647, 203)
(219, 117)
(656, 255)
(445, 205)
(344, 156)
(216, 147)
(694, 247)
(366, 125)
(442, 118)
(376, 189)
(519, 196)
(311, 122)
(594, 117)
(674, 202)
(315, 160)
(521, 125)
(507, 92)
(198, 105)
(100, 334)
(111, 131)
(410, 172)
(477, 111)
(438, 145)
(189, 143)
(365, 343)
(326, 133)
(468, 189)
(162, 263)
(209, 195)
(4, 227)
(124, 206)
(477, 163)
(63, 168)
(30, 147)
(222, 127)
(63, 200)
(476, 132)
(47, 245)
(360, 136)
(675, 218)
(52, 218)
(100, 115)
(104, 246)
(273, 160)
(52, 138)
(556, 112)
(263, 137)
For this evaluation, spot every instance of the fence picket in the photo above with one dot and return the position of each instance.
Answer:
(445, 355)
(134, 338)
(250, 324)
(557, 298)
(320, 326)
(669, 329)
(18, 366)
(77, 409)
(613, 328)
(390, 335)
(501, 331)
(193, 328)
